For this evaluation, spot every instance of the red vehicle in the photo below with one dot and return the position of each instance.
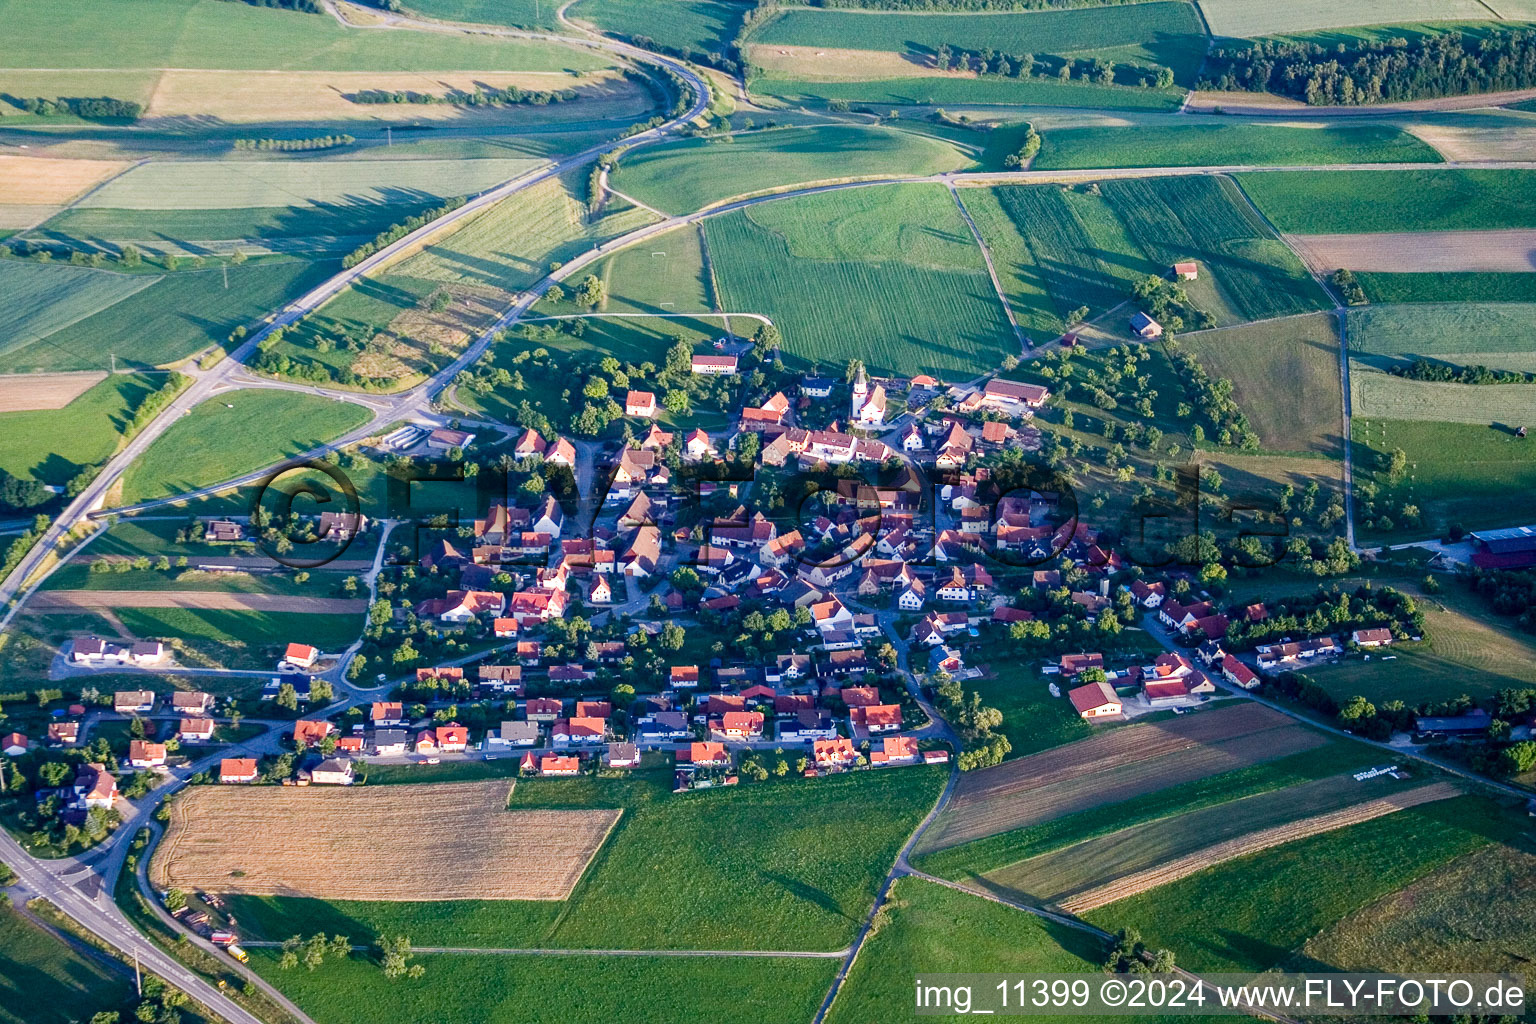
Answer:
(222, 938)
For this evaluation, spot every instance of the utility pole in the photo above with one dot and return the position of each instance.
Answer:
(138, 979)
(389, 135)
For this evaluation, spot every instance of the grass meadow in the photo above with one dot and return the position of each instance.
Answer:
(54, 445)
(1465, 286)
(178, 316)
(890, 275)
(43, 980)
(969, 861)
(42, 299)
(1285, 377)
(1379, 395)
(946, 90)
(516, 13)
(239, 638)
(691, 174)
(464, 988)
(793, 864)
(1473, 474)
(1169, 34)
(1501, 336)
(1348, 202)
(1217, 144)
(704, 26)
(1252, 913)
(234, 433)
(512, 244)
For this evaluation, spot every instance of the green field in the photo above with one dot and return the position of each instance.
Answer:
(517, 13)
(214, 34)
(688, 175)
(489, 989)
(248, 435)
(1501, 336)
(43, 980)
(969, 861)
(77, 575)
(1457, 287)
(1472, 474)
(1249, 18)
(665, 274)
(54, 445)
(1463, 652)
(692, 26)
(1206, 219)
(44, 299)
(887, 274)
(953, 91)
(1216, 144)
(240, 639)
(1285, 377)
(511, 244)
(177, 317)
(1346, 202)
(1055, 876)
(796, 867)
(927, 929)
(1377, 395)
(1169, 34)
(1249, 914)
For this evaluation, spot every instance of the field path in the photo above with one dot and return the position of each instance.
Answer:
(74, 600)
(986, 255)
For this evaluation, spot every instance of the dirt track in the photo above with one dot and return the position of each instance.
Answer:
(73, 600)
(36, 391)
(1507, 251)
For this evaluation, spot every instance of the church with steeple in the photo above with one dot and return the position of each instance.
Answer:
(867, 407)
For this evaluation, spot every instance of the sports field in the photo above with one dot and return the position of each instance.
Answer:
(1475, 474)
(42, 299)
(231, 184)
(1501, 336)
(511, 245)
(176, 317)
(1153, 33)
(54, 445)
(1249, 914)
(1218, 144)
(688, 175)
(1250, 18)
(1349, 202)
(666, 274)
(256, 428)
(233, 839)
(46, 981)
(799, 872)
(887, 274)
(1285, 377)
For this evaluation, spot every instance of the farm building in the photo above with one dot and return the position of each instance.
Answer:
(443, 439)
(713, 365)
(1095, 700)
(1512, 548)
(1379, 637)
(1145, 327)
(1186, 270)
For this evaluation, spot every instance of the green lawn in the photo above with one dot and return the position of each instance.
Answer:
(890, 275)
(214, 34)
(1285, 377)
(968, 861)
(1216, 144)
(1451, 287)
(43, 299)
(240, 639)
(690, 174)
(180, 315)
(152, 537)
(234, 433)
(489, 989)
(53, 445)
(77, 575)
(1499, 335)
(1473, 474)
(43, 980)
(1344, 202)
(789, 864)
(1249, 914)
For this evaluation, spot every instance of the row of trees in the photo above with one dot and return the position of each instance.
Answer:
(1379, 70)
(294, 145)
(395, 232)
(988, 61)
(90, 107)
(1423, 369)
(512, 95)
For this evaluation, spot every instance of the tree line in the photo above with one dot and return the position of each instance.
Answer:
(1379, 70)
(1028, 65)
(1423, 369)
(303, 6)
(294, 145)
(481, 97)
(89, 107)
(965, 5)
(395, 232)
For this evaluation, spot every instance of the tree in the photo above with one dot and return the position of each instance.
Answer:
(396, 956)
(175, 899)
(590, 293)
(130, 256)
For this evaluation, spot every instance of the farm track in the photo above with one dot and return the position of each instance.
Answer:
(73, 600)
(1255, 842)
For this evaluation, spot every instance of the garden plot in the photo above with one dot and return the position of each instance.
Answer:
(1509, 251)
(370, 843)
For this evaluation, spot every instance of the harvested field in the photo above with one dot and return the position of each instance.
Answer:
(1061, 874)
(1515, 141)
(368, 843)
(1173, 870)
(35, 180)
(311, 95)
(1511, 251)
(832, 65)
(30, 392)
(1381, 395)
(73, 600)
(1113, 766)
(1250, 18)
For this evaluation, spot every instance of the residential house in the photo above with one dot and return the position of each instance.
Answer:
(14, 744)
(1095, 700)
(333, 771)
(876, 718)
(895, 750)
(385, 713)
(133, 702)
(713, 365)
(1371, 637)
(237, 770)
(640, 403)
(144, 754)
(299, 656)
(195, 730)
(543, 709)
(622, 755)
(308, 732)
(389, 742)
(63, 734)
(834, 753)
(94, 787)
(1239, 674)
(567, 731)
(739, 725)
(708, 754)
(558, 765)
